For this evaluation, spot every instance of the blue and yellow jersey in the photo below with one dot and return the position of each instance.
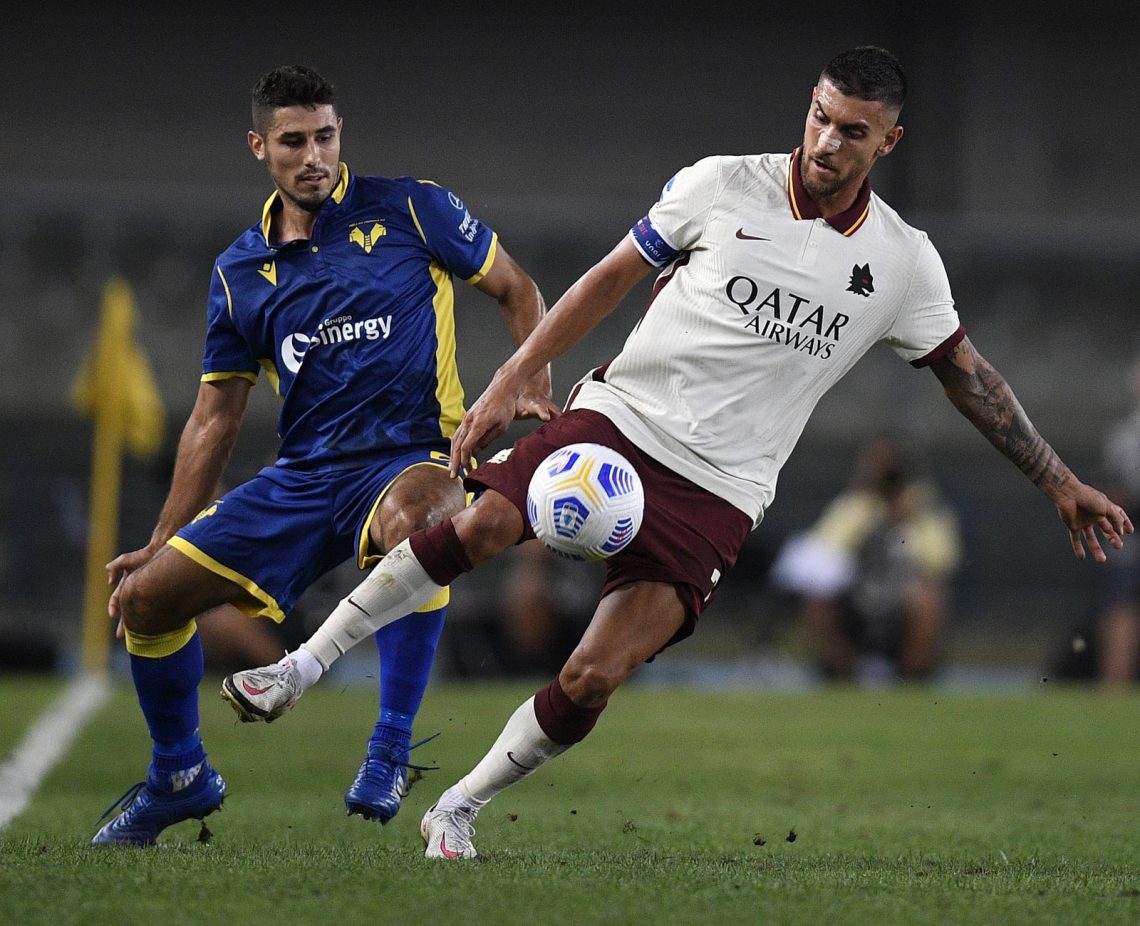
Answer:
(353, 327)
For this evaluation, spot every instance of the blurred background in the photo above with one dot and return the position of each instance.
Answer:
(124, 150)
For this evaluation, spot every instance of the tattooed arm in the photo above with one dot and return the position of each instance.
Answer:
(981, 393)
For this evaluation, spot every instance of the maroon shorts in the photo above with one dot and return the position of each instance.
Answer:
(689, 537)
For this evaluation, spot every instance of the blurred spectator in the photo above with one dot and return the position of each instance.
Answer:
(872, 574)
(1107, 646)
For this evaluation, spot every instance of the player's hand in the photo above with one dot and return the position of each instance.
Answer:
(536, 405)
(117, 570)
(1088, 510)
(488, 418)
(535, 400)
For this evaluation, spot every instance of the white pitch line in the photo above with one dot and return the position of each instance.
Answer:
(46, 742)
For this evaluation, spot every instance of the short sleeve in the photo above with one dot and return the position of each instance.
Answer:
(226, 352)
(459, 241)
(677, 220)
(928, 325)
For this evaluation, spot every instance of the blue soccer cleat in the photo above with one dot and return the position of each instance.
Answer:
(148, 808)
(383, 781)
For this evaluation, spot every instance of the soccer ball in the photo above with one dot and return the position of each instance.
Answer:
(585, 501)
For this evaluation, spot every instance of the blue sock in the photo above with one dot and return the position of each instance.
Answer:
(407, 651)
(167, 689)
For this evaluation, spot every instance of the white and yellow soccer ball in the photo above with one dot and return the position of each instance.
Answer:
(585, 501)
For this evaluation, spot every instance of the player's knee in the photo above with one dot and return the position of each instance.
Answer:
(488, 527)
(589, 682)
(403, 523)
(417, 500)
(140, 608)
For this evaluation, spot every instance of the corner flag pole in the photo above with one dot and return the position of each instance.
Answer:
(116, 388)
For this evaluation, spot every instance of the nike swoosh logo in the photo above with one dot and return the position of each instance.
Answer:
(249, 689)
(743, 237)
(446, 852)
(526, 768)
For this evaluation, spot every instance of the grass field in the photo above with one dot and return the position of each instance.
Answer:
(827, 807)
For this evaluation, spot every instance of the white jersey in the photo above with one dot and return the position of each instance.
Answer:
(761, 307)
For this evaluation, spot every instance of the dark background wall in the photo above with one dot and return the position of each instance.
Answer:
(123, 152)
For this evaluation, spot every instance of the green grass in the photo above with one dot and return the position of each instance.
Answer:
(909, 806)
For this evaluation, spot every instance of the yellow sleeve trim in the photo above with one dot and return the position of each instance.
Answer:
(271, 374)
(165, 644)
(489, 262)
(229, 374)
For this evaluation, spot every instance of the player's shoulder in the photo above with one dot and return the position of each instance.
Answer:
(743, 171)
(423, 193)
(892, 225)
(249, 245)
(374, 188)
(414, 199)
(748, 172)
(376, 183)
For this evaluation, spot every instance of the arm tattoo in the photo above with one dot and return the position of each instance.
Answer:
(981, 393)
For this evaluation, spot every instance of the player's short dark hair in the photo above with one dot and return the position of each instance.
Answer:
(289, 85)
(869, 73)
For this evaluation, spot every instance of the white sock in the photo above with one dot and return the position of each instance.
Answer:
(309, 669)
(520, 749)
(396, 587)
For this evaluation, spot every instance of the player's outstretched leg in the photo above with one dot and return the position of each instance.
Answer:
(397, 586)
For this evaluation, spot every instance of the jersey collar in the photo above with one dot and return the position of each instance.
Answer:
(273, 204)
(804, 207)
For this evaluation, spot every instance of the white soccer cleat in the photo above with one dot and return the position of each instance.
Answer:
(448, 833)
(265, 693)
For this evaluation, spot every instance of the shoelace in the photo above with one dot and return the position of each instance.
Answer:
(464, 828)
(124, 801)
(394, 754)
(275, 672)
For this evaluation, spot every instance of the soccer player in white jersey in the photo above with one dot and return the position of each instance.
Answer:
(779, 272)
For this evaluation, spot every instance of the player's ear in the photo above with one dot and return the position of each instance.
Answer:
(893, 135)
(256, 144)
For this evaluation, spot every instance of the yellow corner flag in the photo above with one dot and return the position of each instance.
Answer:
(116, 388)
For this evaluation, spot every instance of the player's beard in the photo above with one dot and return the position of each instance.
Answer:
(309, 200)
(824, 190)
(819, 190)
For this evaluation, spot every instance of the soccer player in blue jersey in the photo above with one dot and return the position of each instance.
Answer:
(342, 293)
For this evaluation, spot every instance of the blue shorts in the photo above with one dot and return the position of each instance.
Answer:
(279, 532)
